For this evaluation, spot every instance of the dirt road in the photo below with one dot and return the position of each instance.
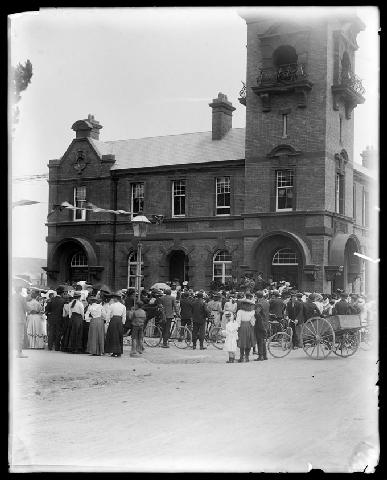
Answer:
(180, 410)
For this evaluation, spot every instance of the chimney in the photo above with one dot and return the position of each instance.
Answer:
(88, 128)
(221, 116)
(369, 158)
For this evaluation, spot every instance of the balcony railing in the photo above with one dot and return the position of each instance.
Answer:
(352, 81)
(284, 74)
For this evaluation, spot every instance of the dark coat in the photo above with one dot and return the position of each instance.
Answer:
(169, 304)
(185, 309)
(55, 308)
(295, 311)
(277, 306)
(341, 308)
(310, 310)
(199, 311)
(261, 317)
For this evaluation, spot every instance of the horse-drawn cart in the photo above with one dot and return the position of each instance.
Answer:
(338, 334)
(320, 336)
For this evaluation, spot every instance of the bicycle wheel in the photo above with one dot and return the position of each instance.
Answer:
(152, 335)
(347, 344)
(216, 338)
(183, 338)
(279, 345)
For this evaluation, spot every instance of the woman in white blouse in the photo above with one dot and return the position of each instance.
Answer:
(114, 342)
(76, 314)
(96, 337)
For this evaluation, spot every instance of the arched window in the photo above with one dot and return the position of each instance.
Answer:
(222, 266)
(132, 270)
(285, 256)
(345, 67)
(285, 55)
(79, 259)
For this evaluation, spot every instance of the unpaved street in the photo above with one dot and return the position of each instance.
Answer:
(184, 410)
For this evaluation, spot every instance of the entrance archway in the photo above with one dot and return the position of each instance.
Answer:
(342, 253)
(281, 256)
(178, 266)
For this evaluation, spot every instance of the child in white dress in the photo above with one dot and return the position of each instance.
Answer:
(231, 331)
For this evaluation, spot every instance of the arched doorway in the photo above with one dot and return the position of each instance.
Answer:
(342, 253)
(178, 266)
(284, 266)
(281, 256)
(78, 267)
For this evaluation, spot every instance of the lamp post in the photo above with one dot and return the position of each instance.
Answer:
(140, 228)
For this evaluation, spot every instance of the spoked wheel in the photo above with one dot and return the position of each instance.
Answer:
(279, 345)
(318, 338)
(216, 338)
(152, 335)
(183, 338)
(347, 344)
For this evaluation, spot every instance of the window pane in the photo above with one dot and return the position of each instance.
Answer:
(217, 269)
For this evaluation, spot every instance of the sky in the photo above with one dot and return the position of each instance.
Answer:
(141, 72)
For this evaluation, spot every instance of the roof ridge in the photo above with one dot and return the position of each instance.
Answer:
(164, 136)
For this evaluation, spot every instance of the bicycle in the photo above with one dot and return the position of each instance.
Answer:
(180, 335)
(279, 344)
(152, 334)
(212, 335)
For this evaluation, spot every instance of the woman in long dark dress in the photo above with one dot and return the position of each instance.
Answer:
(96, 337)
(114, 342)
(76, 313)
(246, 321)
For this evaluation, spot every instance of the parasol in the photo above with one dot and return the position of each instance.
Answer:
(160, 286)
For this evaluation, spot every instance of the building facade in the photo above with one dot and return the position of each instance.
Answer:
(282, 196)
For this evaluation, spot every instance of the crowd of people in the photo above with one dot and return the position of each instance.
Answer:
(83, 319)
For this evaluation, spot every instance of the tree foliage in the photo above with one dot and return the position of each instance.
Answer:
(21, 78)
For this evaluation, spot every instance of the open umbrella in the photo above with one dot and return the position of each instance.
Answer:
(102, 288)
(21, 282)
(160, 286)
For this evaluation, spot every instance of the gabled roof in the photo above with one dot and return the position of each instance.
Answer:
(174, 149)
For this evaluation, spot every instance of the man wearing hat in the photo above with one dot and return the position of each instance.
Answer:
(199, 317)
(54, 311)
(294, 310)
(170, 308)
(310, 308)
(277, 306)
(342, 306)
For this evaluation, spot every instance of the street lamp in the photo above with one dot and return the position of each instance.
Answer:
(140, 228)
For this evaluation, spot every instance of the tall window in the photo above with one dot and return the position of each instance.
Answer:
(341, 129)
(339, 194)
(284, 125)
(79, 260)
(364, 216)
(284, 190)
(137, 198)
(178, 198)
(79, 201)
(222, 266)
(285, 256)
(132, 271)
(223, 189)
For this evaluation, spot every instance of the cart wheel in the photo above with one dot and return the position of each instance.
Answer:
(216, 338)
(347, 344)
(183, 338)
(318, 338)
(279, 345)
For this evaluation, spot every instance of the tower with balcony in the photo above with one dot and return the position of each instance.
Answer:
(300, 94)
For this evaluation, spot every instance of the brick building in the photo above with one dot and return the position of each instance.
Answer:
(282, 196)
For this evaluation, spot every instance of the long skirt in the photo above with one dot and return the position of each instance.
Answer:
(96, 338)
(246, 338)
(36, 331)
(66, 333)
(114, 342)
(76, 332)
